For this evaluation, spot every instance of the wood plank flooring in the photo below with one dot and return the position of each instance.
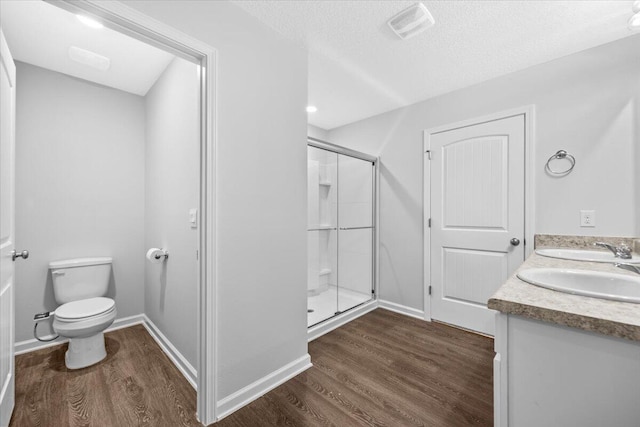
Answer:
(136, 385)
(384, 369)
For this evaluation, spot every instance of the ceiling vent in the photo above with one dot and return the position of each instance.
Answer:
(411, 21)
(89, 58)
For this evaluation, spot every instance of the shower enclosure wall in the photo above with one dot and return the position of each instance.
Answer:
(341, 230)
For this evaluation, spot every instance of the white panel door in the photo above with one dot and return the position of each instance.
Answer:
(477, 218)
(7, 230)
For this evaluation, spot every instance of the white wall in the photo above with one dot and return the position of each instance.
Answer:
(586, 103)
(318, 133)
(79, 187)
(261, 194)
(171, 188)
(322, 211)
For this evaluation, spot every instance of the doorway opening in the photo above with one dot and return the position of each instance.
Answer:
(144, 194)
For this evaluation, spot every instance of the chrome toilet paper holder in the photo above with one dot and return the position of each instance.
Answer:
(157, 255)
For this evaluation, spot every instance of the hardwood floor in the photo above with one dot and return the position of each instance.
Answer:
(384, 369)
(136, 385)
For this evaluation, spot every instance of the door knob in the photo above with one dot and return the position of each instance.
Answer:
(23, 255)
(515, 241)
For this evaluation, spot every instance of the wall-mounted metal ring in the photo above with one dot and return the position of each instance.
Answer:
(560, 155)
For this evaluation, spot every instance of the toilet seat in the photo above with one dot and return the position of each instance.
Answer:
(99, 315)
(84, 309)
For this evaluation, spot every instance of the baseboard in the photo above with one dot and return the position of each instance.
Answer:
(243, 397)
(183, 365)
(33, 344)
(344, 318)
(402, 309)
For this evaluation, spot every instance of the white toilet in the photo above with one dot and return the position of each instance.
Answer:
(80, 285)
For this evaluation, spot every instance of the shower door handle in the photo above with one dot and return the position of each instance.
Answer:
(355, 228)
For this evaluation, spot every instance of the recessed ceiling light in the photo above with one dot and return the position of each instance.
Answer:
(634, 22)
(312, 109)
(89, 58)
(89, 22)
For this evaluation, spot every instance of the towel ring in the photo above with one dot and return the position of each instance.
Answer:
(561, 154)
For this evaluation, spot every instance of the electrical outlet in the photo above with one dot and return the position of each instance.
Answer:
(587, 218)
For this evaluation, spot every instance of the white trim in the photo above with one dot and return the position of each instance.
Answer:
(501, 372)
(402, 309)
(529, 179)
(129, 21)
(183, 365)
(529, 184)
(499, 115)
(33, 344)
(340, 320)
(426, 230)
(258, 388)
(376, 244)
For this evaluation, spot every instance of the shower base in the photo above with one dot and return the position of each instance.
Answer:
(324, 304)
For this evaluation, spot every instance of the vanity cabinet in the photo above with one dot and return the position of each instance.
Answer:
(550, 375)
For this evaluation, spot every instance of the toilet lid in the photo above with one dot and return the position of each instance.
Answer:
(85, 308)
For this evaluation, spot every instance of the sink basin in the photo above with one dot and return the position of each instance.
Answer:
(618, 287)
(584, 255)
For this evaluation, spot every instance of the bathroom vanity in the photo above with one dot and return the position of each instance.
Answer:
(563, 359)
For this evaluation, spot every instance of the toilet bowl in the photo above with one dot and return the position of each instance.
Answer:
(83, 322)
(79, 285)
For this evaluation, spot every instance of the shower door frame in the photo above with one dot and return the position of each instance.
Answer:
(126, 20)
(340, 319)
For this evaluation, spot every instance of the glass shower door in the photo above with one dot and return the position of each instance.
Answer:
(322, 234)
(340, 230)
(355, 231)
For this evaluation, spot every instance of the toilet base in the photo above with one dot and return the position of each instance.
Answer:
(85, 352)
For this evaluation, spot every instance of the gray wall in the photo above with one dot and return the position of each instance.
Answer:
(261, 195)
(79, 187)
(587, 103)
(316, 132)
(171, 188)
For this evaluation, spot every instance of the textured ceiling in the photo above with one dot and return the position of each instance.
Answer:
(358, 68)
(39, 33)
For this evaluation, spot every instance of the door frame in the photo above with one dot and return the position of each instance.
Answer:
(7, 388)
(529, 185)
(126, 20)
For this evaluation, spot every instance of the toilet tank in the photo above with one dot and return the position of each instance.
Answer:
(80, 278)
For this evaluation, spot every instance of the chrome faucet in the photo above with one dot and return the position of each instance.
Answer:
(629, 267)
(623, 251)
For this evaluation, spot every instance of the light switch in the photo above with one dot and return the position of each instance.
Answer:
(193, 217)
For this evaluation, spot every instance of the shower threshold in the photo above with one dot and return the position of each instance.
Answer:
(323, 306)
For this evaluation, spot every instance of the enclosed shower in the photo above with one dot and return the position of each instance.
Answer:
(341, 230)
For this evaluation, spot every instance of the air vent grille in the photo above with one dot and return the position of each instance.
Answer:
(411, 21)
